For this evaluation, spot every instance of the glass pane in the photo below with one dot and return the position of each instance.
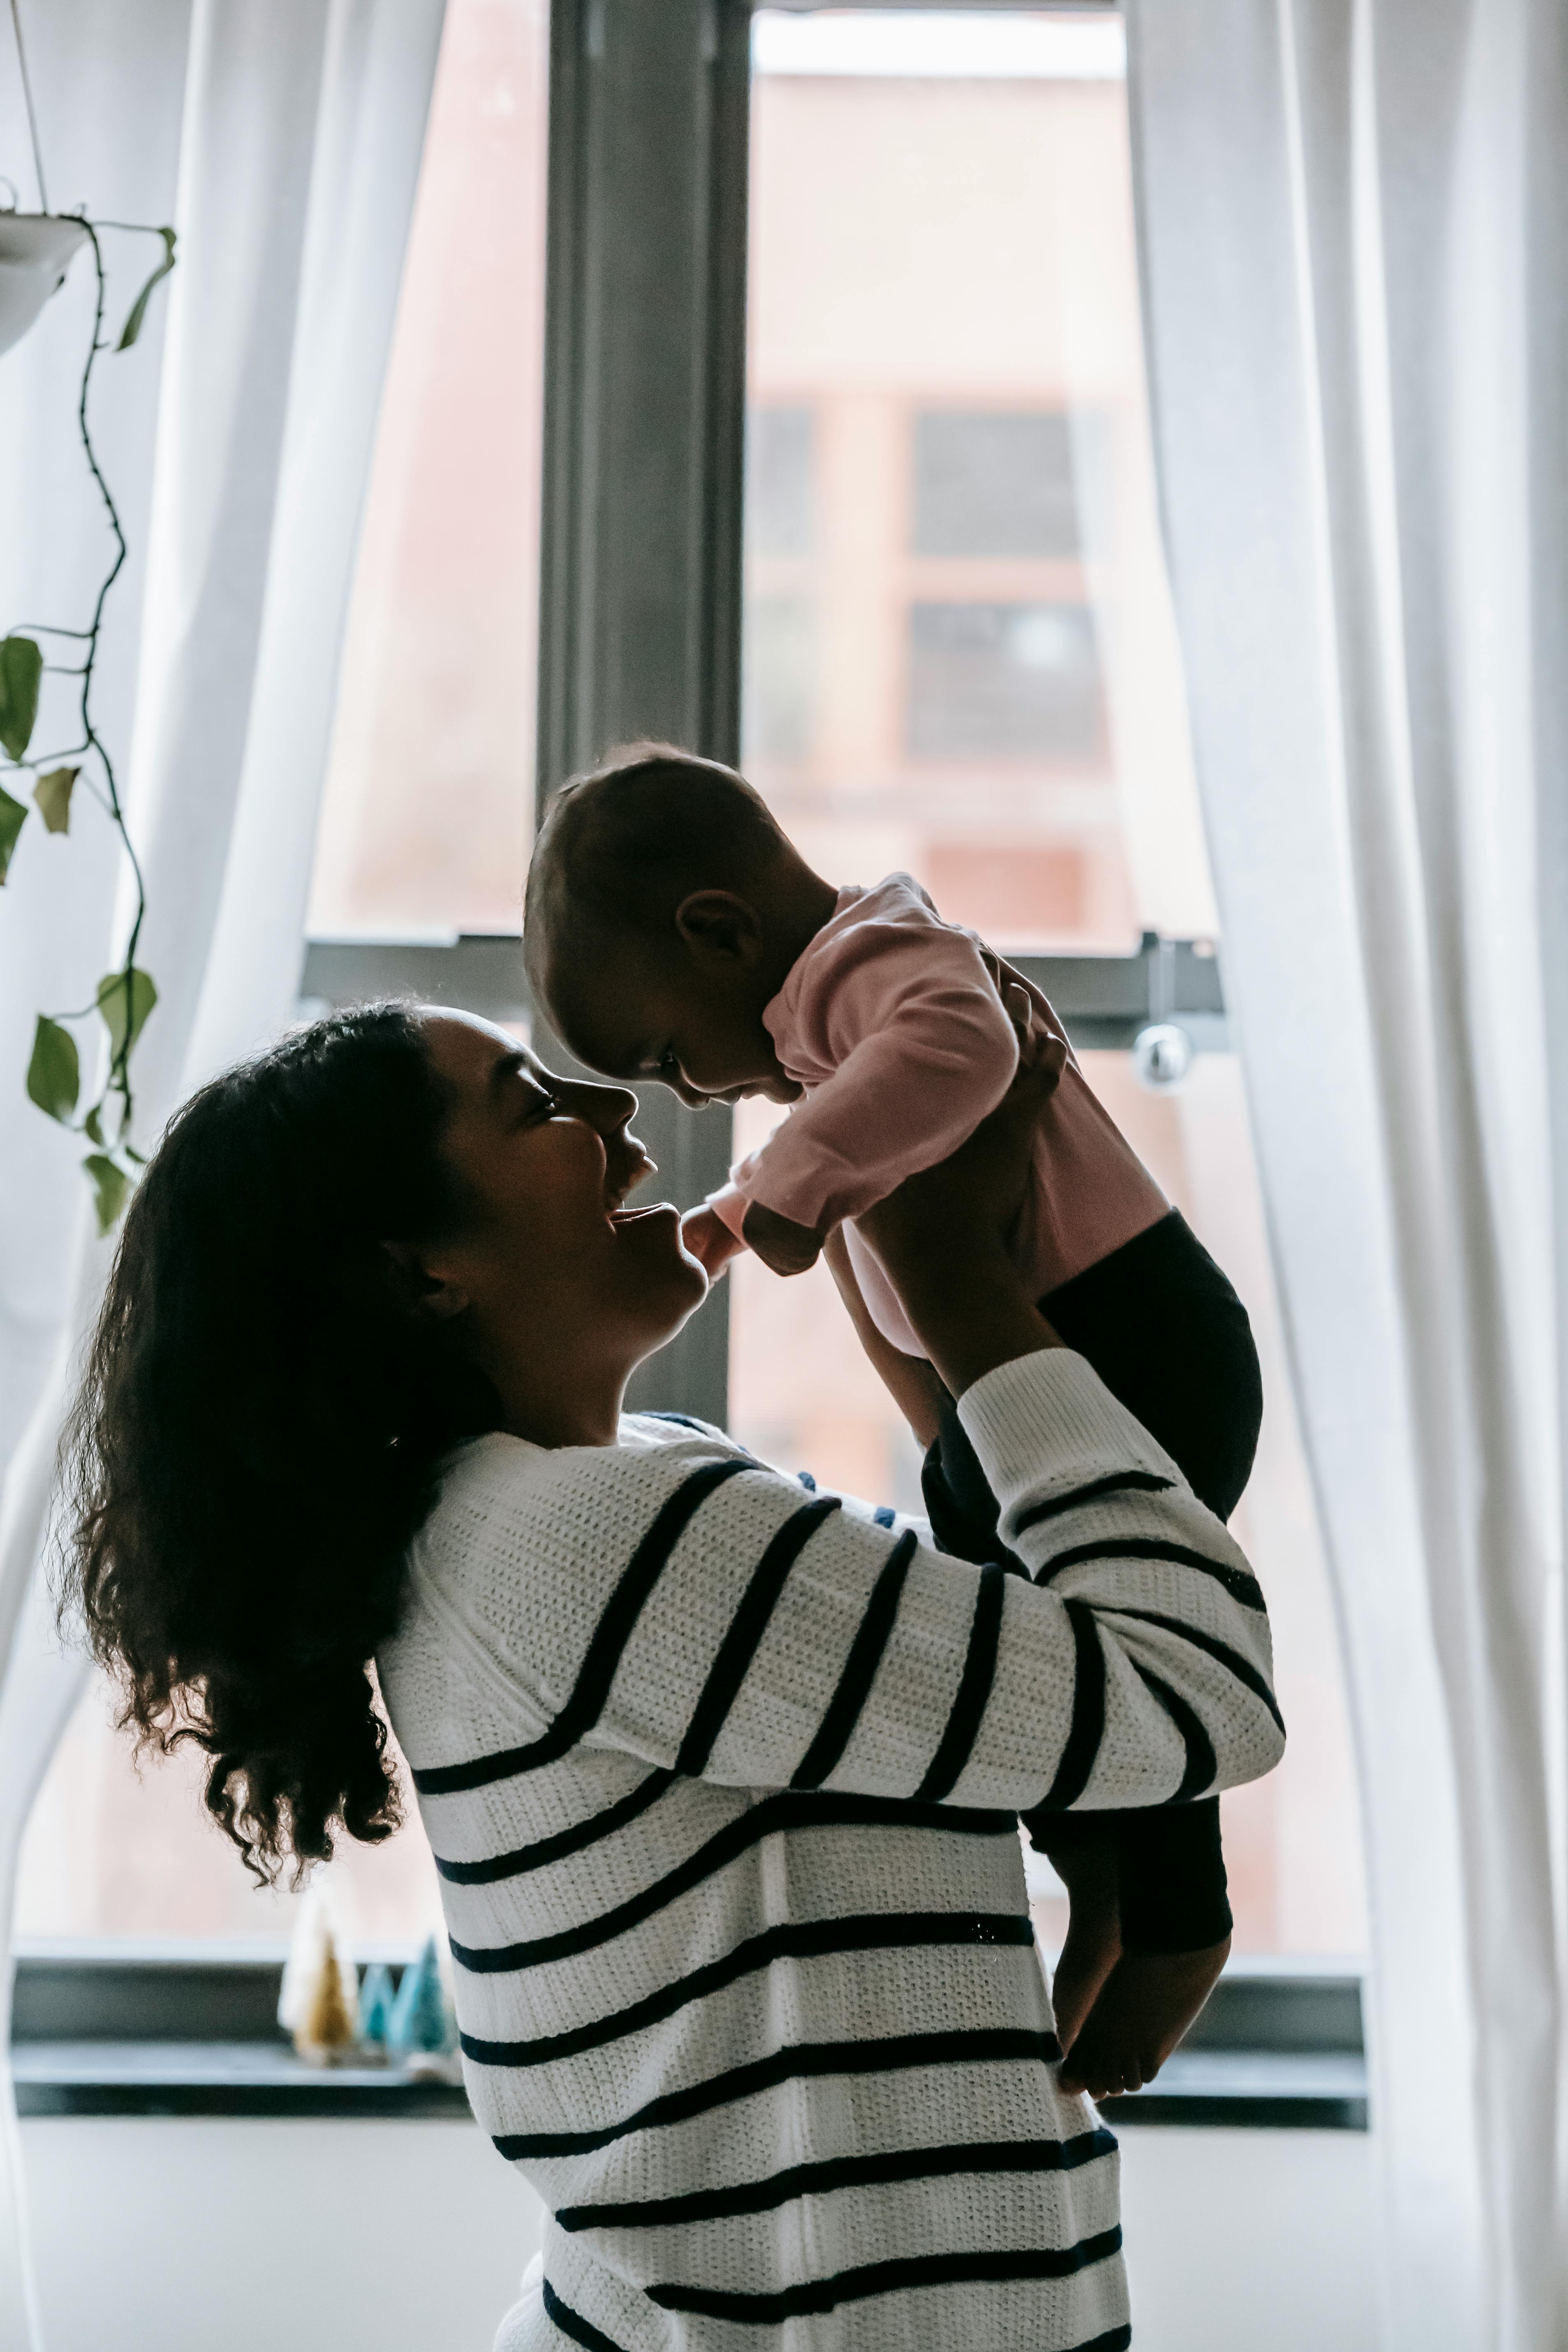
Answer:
(960, 657)
(425, 823)
(428, 806)
(961, 660)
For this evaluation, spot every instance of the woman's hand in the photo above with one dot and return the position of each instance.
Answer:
(942, 1236)
(969, 1200)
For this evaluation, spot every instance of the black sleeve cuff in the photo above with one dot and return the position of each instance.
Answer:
(1170, 1870)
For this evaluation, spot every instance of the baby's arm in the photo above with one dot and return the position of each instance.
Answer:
(710, 1240)
(925, 1049)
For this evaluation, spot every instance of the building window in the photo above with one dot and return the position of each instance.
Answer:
(988, 482)
(781, 479)
(778, 681)
(1004, 682)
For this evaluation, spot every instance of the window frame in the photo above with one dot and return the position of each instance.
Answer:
(640, 613)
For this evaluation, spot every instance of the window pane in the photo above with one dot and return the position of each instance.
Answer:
(425, 822)
(950, 472)
(982, 686)
(429, 796)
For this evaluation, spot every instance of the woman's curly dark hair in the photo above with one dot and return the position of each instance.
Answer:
(253, 1445)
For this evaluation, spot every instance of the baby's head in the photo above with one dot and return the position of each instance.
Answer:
(664, 909)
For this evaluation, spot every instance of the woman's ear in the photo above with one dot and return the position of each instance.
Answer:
(426, 1293)
(717, 927)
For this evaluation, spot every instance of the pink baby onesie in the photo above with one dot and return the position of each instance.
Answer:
(892, 1024)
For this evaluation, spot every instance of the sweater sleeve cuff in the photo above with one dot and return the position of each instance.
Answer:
(1047, 1422)
(729, 1205)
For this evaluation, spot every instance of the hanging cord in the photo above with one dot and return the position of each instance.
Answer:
(27, 100)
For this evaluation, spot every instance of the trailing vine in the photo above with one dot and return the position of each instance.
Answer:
(125, 996)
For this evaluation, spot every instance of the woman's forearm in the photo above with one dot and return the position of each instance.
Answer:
(970, 1310)
(910, 1381)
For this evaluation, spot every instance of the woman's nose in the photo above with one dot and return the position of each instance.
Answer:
(610, 1110)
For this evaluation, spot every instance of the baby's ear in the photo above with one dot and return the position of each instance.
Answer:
(719, 927)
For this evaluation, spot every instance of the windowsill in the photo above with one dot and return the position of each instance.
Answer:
(1201, 2089)
(191, 2031)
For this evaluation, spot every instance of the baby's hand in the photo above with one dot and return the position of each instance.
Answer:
(1145, 2007)
(710, 1240)
(779, 1242)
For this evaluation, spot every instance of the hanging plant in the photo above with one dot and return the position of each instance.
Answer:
(35, 254)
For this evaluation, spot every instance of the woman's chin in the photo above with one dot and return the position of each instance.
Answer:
(653, 1235)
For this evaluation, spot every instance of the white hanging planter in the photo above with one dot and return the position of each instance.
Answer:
(35, 251)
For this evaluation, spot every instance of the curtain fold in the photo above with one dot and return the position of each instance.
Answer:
(284, 143)
(1351, 220)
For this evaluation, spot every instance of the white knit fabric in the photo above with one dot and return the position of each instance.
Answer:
(779, 2057)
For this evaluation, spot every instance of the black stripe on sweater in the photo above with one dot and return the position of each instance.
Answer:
(963, 1724)
(843, 1711)
(1201, 1765)
(1118, 1482)
(1241, 1585)
(890, 2278)
(880, 2170)
(746, 1629)
(785, 1811)
(803, 2060)
(1088, 1727)
(610, 1636)
(524, 1858)
(1245, 1673)
(562, 2315)
(796, 1939)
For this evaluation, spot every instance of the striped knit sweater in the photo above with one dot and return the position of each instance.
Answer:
(722, 1777)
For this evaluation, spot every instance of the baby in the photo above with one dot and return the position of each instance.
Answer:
(672, 931)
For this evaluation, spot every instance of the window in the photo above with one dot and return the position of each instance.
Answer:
(424, 826)
(942, 278)
(958, 658)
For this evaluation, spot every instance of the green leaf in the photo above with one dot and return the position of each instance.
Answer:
(135, 323)
(110, 1185)
(21, 667)
(13, 817)
(92, 1124)
(53, 794)
(54, 1073)
(112, 1001)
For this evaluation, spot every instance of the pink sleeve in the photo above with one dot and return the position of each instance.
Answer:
(924, 1050)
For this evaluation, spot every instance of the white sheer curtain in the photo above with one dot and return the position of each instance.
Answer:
(284, 142)
(1352, 219)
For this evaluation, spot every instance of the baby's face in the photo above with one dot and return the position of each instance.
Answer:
(637, 1013)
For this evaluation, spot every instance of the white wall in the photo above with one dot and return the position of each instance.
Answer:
(1249, 2241)
(177, 2236)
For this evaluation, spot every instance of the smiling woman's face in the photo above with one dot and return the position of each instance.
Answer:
(554, 1274)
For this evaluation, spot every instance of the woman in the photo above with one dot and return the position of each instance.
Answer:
(721, 1775)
